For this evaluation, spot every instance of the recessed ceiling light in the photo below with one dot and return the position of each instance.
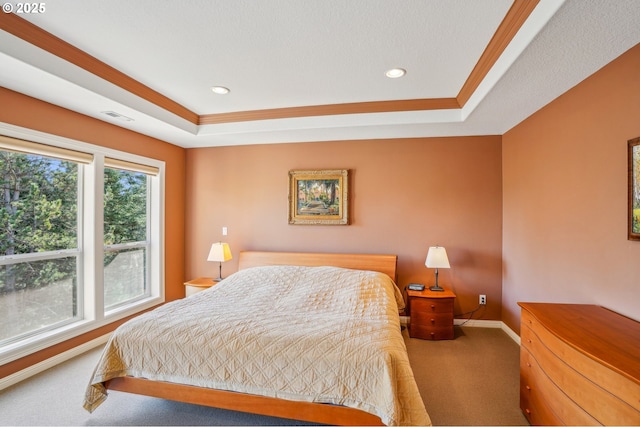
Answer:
(394, 73)
(220, 90)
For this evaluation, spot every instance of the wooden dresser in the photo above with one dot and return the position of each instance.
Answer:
(579, 365)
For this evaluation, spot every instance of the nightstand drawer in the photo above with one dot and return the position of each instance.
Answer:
(430, 332)
(434, 320)
(431, 305)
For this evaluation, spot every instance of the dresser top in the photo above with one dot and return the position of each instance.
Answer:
(599, 333)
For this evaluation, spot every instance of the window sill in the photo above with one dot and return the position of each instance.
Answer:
(33, 344)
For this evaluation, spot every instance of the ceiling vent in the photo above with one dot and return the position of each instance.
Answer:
(117, 116)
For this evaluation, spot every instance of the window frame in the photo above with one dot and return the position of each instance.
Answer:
(92, 314)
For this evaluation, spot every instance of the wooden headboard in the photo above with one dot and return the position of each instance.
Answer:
(382, 263)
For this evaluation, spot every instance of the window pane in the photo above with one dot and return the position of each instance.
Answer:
(124, 275)
(125, 222)
(38, 214)
(125, 207)
(37, 295)
(38, 211)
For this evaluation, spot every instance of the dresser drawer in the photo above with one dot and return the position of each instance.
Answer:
(604, 375)
(548, 403)
(608, 396)
(587, 353)
(533, 403)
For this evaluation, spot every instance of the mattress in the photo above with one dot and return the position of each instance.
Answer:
(316, 334)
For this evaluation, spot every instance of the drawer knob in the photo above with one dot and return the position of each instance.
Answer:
(433, 334)
(529, 341)
(528, 364)
(433, 307)
(527, 387)
(433, 321)
(527, 411)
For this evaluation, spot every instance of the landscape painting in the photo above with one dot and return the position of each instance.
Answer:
(318, 197)
(634, 189)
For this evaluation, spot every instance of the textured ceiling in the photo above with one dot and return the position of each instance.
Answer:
(311, 70)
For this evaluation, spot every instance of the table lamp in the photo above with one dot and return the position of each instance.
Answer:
(437, 258)
(219, 252)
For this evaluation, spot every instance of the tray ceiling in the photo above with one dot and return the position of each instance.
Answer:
(310, 70)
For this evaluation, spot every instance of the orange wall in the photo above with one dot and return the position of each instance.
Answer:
(565, 197)
(405, 195)
(536, 215)
(21, 110)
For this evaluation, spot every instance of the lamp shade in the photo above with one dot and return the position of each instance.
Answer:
(219, 252)
(437, 258)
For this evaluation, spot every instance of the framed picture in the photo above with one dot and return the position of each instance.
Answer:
(319, 197)
(634, 189)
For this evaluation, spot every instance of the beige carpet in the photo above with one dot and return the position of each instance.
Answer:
(471, 380)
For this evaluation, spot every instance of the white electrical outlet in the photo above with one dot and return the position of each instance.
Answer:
(224, 231)
(483, 300)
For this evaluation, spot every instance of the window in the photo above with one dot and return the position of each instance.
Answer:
(125, 236)
(80, 239)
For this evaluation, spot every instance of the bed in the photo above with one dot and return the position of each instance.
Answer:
(310, 337)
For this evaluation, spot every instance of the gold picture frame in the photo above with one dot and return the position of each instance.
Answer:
(319, 197)
(634, 189)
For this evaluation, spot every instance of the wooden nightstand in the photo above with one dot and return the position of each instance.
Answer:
(196, 285)
(431, 314)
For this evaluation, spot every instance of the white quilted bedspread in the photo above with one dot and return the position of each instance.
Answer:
(318, 334)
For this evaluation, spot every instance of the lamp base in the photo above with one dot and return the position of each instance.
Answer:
(436, 288)
(219, 278)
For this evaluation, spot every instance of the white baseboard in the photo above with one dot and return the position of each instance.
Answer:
(511, 333)
(489, 324)
(404, 320)
(478, 323)
(51, 362)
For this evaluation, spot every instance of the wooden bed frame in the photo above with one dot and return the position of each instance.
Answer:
(269, 406)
